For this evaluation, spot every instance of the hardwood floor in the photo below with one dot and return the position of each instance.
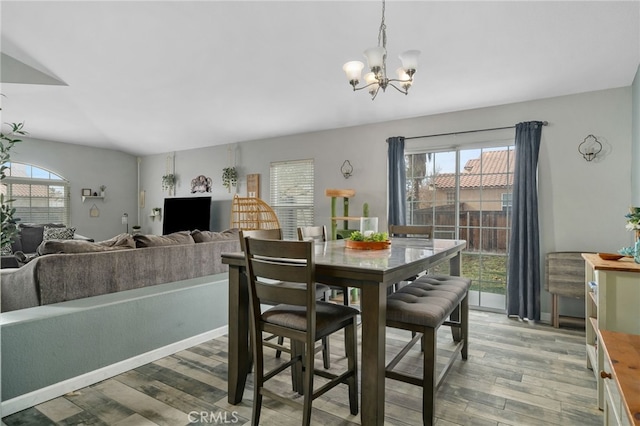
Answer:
(516, 374)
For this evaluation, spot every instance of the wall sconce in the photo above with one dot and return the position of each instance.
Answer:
(346, 169)
(590, 147)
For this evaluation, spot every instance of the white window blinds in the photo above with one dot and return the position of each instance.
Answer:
(292, 189)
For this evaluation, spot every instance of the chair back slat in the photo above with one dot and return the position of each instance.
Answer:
(315, 233)
(275, 294)
(281, 270)
(415, 231)
(289, 263)
(265, 234)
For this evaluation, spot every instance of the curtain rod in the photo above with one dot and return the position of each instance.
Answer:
(544, 123)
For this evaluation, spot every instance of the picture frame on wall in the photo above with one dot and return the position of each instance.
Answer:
(86, 192)
(253, 185)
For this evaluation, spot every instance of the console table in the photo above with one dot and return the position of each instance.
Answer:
(612, 306)
(621, 377)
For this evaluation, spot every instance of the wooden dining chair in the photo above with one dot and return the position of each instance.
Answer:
(297, 316)
(322, 291)
(409, 231)
(314, 233)
(319, 234)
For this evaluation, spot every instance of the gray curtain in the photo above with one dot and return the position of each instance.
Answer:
(523, 280)
(397, 182)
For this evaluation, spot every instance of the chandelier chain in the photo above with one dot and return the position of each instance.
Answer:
(382, 34)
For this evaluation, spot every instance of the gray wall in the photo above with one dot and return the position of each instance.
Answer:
(86, 167)
(582, 204)
(47, 345)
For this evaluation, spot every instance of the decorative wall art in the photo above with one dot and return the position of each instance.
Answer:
(253, 185)
(94, 211)
(201, 184)
(86, 192)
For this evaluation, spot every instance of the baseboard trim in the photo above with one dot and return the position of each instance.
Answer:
(39, 396)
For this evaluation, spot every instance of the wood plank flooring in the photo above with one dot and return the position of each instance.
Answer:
(516, 374)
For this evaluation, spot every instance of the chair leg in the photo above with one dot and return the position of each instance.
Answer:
(429, 380)
(280, 342)
(258, 380)
(297, 369)
(326, 353)
(351, 349)
(309, 357)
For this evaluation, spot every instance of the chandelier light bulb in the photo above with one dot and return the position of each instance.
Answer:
(375, 57)
(353, 69)
(371, 81)
(410, 61)
(404, 78)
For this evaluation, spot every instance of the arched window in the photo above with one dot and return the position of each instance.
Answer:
(39, 195)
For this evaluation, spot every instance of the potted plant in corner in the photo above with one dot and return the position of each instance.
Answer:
(229, 177)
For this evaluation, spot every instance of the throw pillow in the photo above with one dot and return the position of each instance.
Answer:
(177, 238)
(6, 250)
(208, 236)
(74, 246)
(54, 233)
(31, 236)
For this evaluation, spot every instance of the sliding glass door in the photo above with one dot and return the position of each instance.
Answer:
(466, 194)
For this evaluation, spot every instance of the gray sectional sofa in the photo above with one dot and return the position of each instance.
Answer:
(69, 270)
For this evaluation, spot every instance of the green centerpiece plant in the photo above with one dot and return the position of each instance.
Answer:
(372, 237)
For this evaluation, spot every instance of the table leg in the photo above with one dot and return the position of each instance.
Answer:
(239, 356)
(374, 311)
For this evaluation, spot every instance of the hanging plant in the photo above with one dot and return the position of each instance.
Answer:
(229, 177)
(168, 181)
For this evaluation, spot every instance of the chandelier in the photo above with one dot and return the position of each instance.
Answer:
(377, 61)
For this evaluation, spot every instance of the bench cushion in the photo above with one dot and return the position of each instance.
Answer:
(427, 301)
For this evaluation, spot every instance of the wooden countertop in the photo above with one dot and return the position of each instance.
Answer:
(624, 353)
(626, 264)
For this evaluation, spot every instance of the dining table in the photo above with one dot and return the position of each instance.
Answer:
(372, 272)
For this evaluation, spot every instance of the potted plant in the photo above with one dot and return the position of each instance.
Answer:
(368, 240)
(156, 211)
(229, 177)
(7, 218)
(168, 181)
(102, 189)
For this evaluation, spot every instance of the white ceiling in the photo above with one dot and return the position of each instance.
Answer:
(148, 77)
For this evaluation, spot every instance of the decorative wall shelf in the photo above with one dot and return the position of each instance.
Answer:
(92, 197)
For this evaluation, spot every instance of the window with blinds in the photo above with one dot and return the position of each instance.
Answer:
(39, 195)
(291, 188)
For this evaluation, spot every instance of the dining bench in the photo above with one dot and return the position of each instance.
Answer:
(422, 307)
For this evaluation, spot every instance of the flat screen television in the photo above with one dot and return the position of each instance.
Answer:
(186, 214)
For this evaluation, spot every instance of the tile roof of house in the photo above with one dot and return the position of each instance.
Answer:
(488, 171)
(19, 170)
